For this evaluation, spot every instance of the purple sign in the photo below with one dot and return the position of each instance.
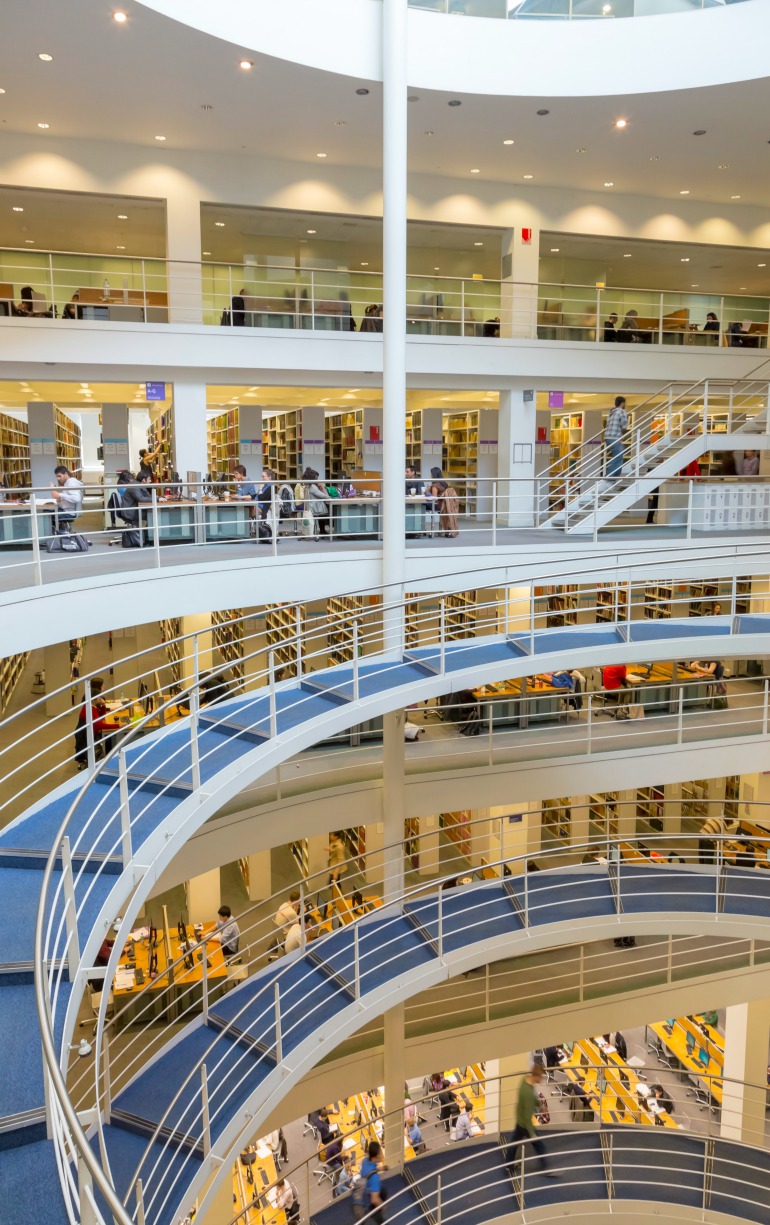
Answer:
(555, 399)
(155, 391)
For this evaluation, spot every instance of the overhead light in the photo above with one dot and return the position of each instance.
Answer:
(320, 155)
(507, 142)
(364, 263)
(761, 265)
(723, 166)
(478, 244)
(606, 10)
(543, 112)
(362, 92)
(17, 208)
(219, 224)
(735, 197)
(2, 91)
(340, 123)
(609, 184)
(44, 125)
(30, 242)
(122, 216)
(621, 123)
(741, 289)
(84, 385)
(160, 138)
(475, 172)
(436, 269)
(627, 255)
(694, 285)
(580, 150)
(119, 248)
(312, 231)
(529, 176)
(454, 102)
(686, 192)
(246, 65)
(655, 158)
(685, 259)
(554, 250)
(207, 253)
(43, 55)
(700, 132)
(429, 132)
(120, 17)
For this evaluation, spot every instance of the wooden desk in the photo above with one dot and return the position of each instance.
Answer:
(6, 297)
(149, 306)
(187, 986)
(713, 1042)
(16, 523)
(253, 1199)
(613, 1101)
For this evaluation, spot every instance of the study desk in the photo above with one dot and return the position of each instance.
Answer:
(252, 1176)
(613, 1092)
(16, 523)
(122, 715)
(712, 1042)
(360, 516)
(518, 703)
(152, 998)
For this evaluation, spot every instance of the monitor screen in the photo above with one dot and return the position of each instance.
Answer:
(690, 1043)
(704, 1056)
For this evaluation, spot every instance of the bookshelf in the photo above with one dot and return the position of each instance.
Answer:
(424, 440)
(460, 615)
(701, 596)
(284, 444)
(649, 810)
(732, 797)
(281, 625)
(694, 800)
(227, 636)
(742, 595)
(556, 817)
(657, 601)
(566, 435)
(341, 611)
(457, 827)
(301, 854)
(67, 438)
(611, 602)
(353, 442)
(222, 437)
(14, 451)
(561, 604)
(161, 433)
(170, 631)
(54, 438)
(469, 453)
(603, 813)
(11, 668)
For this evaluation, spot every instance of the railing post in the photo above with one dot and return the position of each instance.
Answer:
(598, 334)
(140, 1219)
(660, 319)
(690, 487)
(50, 283)
(733, 599)
(566, 503)
(680, 715)
(462, 308)
(273, 708)
(90, 742)
(106, 1078)
(704, 423)
(438, 1199)
(491, 749)
(526, 898)
(205, 984)
(278, 1038)
(637, 450)
(729, 408)
(155, 526)
(581, 972)
(71, 921)
(494, 514)
(274, 518)
(126, 846)
(302, 933)
(298, 631)
(356, 963)
(312, 302)
(442, 633)
(532, 620)
(230, 311)
(589, 724)
(355, 659)
(144, 290)
(35, 533)
(205, 1121)
(440, 925)
(764, 708)
(596, 511)
(194, 708)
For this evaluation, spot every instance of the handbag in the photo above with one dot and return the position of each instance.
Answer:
(307, 524)
(543, 1113)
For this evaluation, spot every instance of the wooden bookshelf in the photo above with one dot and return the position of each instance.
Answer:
(424, 440)
(649, 810)
(556, 816)
(354, 441)
(732, 797)
(695, 795)
(611, 602)
(561, 604)
(68, 443)
(161, 434)
(227, 636)
(457, 827)
(566, 436)
(657, 601)
(470, 454)
(742, 595)
(460, 615)
(284, 444)
(222, 450)
(170, 632)
(701, 596)
(54, 439)
(281, 625)
(11, 668)
(14, 452)
(603, 813)
(341, 612)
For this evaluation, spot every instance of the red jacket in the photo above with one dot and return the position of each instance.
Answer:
(614, 676)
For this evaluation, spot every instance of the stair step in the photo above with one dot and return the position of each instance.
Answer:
(493, 911)
(31, 1191)
(166, 1171)
(21, 1085)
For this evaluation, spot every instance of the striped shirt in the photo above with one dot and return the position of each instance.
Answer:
(617, 424)
(717, 825)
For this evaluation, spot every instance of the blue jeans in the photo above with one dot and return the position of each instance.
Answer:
(535, 1143)
(615, 461)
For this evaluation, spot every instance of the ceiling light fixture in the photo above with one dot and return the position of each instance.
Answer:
(219, 224)
(627, 255)
(17, 208)
(2, 91)
(723, 166)
(606, 10)
(160, 138)
(475, 172)
(582, 149)
(478, 244)
(246, 65)
(700, 132)
(320, 155)
(120, 17)
(741, 288)
(543, 112)
(207, 253)
(507, 142)
(312, 231)
(685, 259)
(30, 242)
(686, 192)
(436, 269)
(610, 184)
(735, 197)
(529, 176)
(694, 285)
(362, 92)
(122, 216)
(654, 158)
(454, 102)
(761, 265)
(621, 123)
(45, 57)
(44, 125)
(555, 250)
(364, 263)
(340, 123)
(428, 132)
(119, 248)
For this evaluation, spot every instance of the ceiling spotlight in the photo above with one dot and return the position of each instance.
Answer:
(761, 265)
(160, 138)
(44, 125)
(312, 231)
(478, 244)
(122, 216)
(17, 208)
(606, 10)
(543, 112)
(119, 248)
(436, 269)
(30, 242)
(428, 132)
(529, 176)
(475, 172)
(735, 197)
(685, 259)
(207, 253)
(621, 123)
(43, 55)
(340, 123)
(654, 158)
(507, 142)
(627, 255)
(741, 288)
(609, 184)
(685, 192)
(246, 65)
(120, 17)
(582, 149)
(364, 263)
(694, 285)
(700, 132)
(362, 92)
(2, 91)
(219, 224)
(454, 102)
(554, 250)
(320, 155)
(723, 166)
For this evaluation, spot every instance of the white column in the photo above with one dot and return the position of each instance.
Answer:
(199, 623)
(260, 876)
(516, 459)
(115, 439)
(395, 1079)
(190, 450)
(204, 897)
(185, 285)
(511, 1071)
(520, 263)
(393, 808)
(747, 1028)
(394, 159)
(317, 857)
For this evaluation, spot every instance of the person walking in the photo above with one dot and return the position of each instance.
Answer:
(527, 1106)
(617, 424)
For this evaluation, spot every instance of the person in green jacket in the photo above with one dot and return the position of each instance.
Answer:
(528, 1105)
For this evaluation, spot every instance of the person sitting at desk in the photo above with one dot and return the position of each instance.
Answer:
(326, 1130)
(413, 1133)
(67, 493)
(347, 1176)
(750, 463)
(286, 914)
(246, 490)
(615, 681)
(227, 932)
(662, 1098)
(610, 334)
(286, 1199)
(466, 1124)
(620, 1046)
(715, 827)
(629, 328)
(293, 939)
(331, 1153)
(712, 670)
(711, 324)
(135, 495)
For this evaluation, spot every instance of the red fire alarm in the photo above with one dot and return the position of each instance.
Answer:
(526, 236)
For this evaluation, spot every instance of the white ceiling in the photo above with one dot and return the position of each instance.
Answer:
(152, 76)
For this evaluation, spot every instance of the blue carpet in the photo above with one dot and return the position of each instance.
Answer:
(387, 948)
(649, 889)
(558, 897)
(579, 636)
(21, 1083)
(233, 1072)
(659, 1164)
(30, 1193)
(657, 631)
(746, 892)
(474, 1183)
(740, 1182)
(753, 624)
(576, 1156)
(468, 914)
(309, 1000)
(175, 1171)
(402, 1208)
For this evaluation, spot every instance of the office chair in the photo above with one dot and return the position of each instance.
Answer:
(325, 1173)
(310, 1129)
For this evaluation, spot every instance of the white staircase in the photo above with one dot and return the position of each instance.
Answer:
(668, 430)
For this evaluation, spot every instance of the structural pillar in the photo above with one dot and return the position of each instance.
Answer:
(260, 876)
(115, 440)
(516, 459)
(744, 1087)
(520, 269)
(502, 1090)
(204, 897)
(393, 806)
(185, 281)
(395, 1081)
(190, 446)
(394, 188)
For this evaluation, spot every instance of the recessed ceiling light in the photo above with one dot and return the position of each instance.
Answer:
(429, 132)
(30, 242)
(507, 142)
(219, 224)
(609, 184)
(320, 155)
(700, 132)
(160, 138)
(119, 248)
(437, 269)
(362, 92)
(581, 149)
(246, 65)
(364, 263)
(454, 102)
(686, 192)
(761, 265)
(340, 123)
(478, 244)
(735, 197)
(43, 55)
(723, 166)
(685, 259)
(741, 288)
(694, 285)
(207, 253)
(2, 91)
(312, 231)
(627, 255)
(529, 176)
(621, 123)
(655, 158)
(554, 250)
(44, 125)
(17, 208)
(543, 112)
(606, 10)
(475, 172)
(120, 17)
(122, 216)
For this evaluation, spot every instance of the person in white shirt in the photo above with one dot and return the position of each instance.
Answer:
(286, 915)
(294, 935)
(467, 1125)
(285, 1199)
(68, 496)
(227, 932)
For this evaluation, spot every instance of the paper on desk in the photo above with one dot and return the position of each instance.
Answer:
(348, 1142)
(124, 979)
(263, 1150)
(140, 933)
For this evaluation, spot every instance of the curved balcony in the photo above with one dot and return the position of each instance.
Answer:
(565, 10)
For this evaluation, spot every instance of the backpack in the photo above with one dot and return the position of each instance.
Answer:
(286, 503)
